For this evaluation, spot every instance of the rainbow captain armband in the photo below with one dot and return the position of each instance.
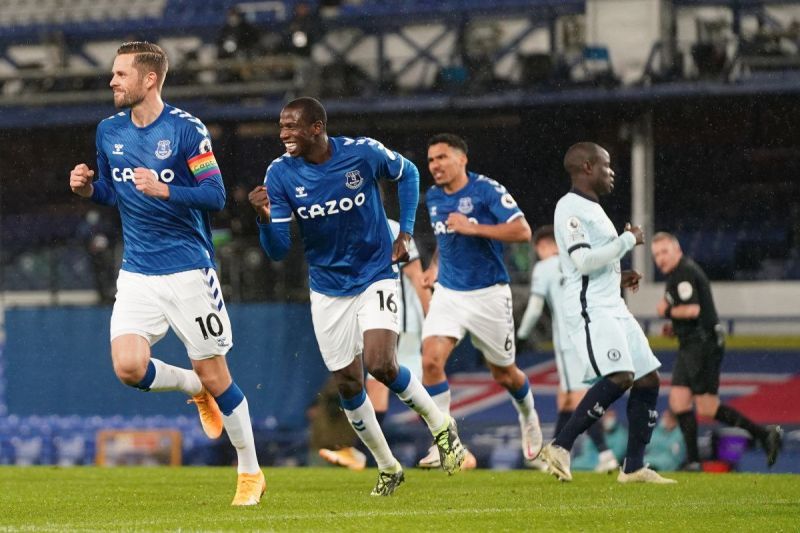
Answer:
(204, 166)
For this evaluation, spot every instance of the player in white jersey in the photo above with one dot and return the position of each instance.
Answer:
(597, 321)
(412, 306)
(330, 186)
(155, 164)
(547, 282)
(472, 216)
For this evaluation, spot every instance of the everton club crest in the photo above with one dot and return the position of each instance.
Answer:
(163, 150)
(465, 205)
(353, 179)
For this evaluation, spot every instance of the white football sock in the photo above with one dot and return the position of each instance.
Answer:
(240, 433)
(525, 406)
(170, 377)
(369, 431)
(417, 398)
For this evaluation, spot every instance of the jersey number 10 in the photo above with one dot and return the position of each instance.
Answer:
(212, 325)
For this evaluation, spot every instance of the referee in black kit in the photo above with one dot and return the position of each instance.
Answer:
(695, 378)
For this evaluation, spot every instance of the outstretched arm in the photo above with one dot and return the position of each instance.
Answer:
(532, 314)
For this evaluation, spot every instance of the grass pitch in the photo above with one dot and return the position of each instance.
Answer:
(332, 499)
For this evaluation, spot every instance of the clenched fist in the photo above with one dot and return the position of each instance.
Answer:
(637, 231)
(259, 199)
(147, 183)
(80, 180)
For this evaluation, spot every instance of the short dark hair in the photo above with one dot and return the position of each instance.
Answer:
(148, 57)
(312, 109)
(544, 232)
(579, 153)
(450, 139)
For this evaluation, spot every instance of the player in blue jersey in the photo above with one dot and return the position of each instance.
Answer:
(155, 164)
(547, 281)
(413, 300)
(472, 216)
(616, 354)
(330, 186)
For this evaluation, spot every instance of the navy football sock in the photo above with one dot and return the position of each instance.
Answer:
(590, 410)
(563, 417)
(688, 423)
(642, 417)
(598, 436)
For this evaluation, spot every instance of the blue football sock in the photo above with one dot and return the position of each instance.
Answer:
(230, 399)
(642, 417)
(592, 407)
(149, 377)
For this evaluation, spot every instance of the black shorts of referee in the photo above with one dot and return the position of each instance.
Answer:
(698, 365)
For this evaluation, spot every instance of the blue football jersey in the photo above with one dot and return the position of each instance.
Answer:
(337, 204)
(159, 237)
(467, 263)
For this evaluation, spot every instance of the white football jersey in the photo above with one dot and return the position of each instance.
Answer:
(547, 281)
(581, 222)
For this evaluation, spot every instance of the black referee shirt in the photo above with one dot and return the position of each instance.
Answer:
(688, 284)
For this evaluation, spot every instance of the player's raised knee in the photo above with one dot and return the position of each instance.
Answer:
(129, 372)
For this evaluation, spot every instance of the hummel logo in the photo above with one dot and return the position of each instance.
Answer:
(359, 425)
(409, 403)
(118, 149)
(300, 192)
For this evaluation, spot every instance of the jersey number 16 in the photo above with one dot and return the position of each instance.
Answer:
(387, 303)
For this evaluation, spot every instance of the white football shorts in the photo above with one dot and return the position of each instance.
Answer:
(612, 342)
(340, 321)
(485, 313)
(190, 302)
(571, 368)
